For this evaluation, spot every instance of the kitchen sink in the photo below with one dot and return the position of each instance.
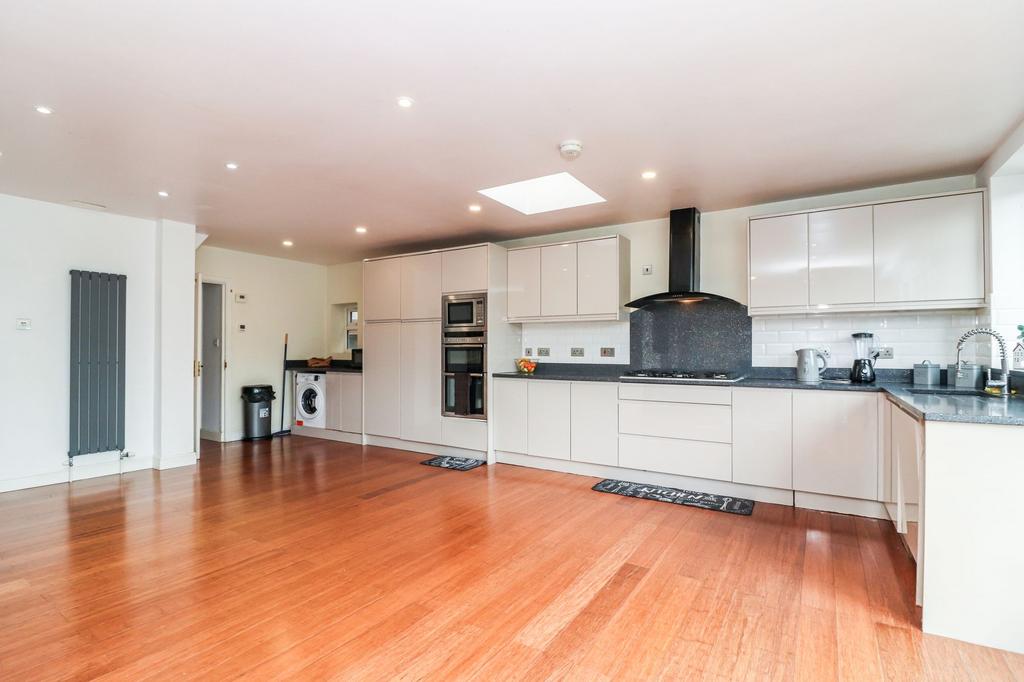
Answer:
(952, 392)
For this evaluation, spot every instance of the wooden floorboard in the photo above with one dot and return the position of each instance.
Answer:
(299, 558)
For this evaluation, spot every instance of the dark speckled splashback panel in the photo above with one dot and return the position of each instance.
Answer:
(710, 335)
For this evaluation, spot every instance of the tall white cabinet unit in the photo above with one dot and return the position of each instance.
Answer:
(908, 254)
(580, 280)
(420, 394)
(382, 378)
(402, 348)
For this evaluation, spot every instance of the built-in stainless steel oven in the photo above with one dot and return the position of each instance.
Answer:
(464, 312)
(464, 356)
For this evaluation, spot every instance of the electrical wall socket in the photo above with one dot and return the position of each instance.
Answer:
(607, 352)
(543, 352)
(884, 352)
(527, 352)
(576, 352)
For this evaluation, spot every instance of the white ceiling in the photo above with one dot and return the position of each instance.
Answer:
(732, 103)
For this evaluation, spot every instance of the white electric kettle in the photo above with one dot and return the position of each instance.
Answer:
(807, 369)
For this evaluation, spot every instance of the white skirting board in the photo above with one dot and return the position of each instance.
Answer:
(183, 459)
(840, 505)
(328, 434)
(85, 467)
(425, 448)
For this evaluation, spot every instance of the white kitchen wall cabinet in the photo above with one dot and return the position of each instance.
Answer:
(509, 414)
(524, 284)
(382, 290)
(548, 415)
(778, 262)
(835, 443)
(602, 286)
(931, 249)
(570, 281)
(558, 283)
(841, 248)
(352, 402)
(421, 286)
(762, 437)
(464, 270)
(908, 254)
(382, 375)
(420, 401)
(594, 433)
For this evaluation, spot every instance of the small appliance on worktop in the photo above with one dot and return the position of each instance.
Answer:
(863, 371)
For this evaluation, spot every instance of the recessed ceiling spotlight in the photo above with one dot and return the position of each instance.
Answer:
(231, 165)
(405, 102)
(287, 242)
(163, 194)
(45, 111)
(649, 175)
(360, 229)
(475, 208)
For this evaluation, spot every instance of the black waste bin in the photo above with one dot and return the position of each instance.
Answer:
(257, 401)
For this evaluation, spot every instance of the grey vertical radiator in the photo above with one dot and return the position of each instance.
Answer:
(97, 363)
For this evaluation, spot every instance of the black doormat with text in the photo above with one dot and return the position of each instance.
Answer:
(732, 505)
(457, 463)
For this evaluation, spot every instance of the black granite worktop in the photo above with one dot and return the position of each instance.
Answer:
(336, 366)
(940, 403)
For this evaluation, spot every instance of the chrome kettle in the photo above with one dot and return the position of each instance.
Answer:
(807, 369)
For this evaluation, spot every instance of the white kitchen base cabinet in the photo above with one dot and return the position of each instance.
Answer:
(509, 414)
(468, 434)
(594, 431)
(762, 437)
(696, 458)
(548, 407)
(382, 376)
(344, 401)
(835, 443)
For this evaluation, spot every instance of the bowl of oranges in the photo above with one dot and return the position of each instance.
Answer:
(526, 365)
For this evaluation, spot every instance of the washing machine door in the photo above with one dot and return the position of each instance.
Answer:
(309, 402)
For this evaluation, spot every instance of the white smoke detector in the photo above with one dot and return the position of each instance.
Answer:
(570, 149)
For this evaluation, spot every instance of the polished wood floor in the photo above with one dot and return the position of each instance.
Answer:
(309, 559)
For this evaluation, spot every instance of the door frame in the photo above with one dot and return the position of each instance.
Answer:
(199, 367)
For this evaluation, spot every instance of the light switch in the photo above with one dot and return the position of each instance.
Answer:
(240, 298)
(23, 324)
(646, 269)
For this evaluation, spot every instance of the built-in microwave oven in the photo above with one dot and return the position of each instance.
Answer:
(464, 312)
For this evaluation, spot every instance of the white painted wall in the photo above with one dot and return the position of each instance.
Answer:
(282, 296)
(42, 243)
(344, 285)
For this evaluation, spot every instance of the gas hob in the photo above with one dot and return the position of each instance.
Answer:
(682, 375)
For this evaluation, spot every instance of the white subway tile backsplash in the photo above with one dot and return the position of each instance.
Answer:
(562, 337)
(914, 337)
(806, 322)
(777, 324)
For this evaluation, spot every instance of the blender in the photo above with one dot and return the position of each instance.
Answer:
(863, 371)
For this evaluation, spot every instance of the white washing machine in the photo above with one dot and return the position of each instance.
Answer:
(310, 404)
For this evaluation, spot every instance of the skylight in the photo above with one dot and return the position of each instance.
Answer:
(546, 193)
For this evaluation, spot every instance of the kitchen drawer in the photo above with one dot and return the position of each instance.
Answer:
(691, 421)
(671, 456)
(675, 393)
(470, 434)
